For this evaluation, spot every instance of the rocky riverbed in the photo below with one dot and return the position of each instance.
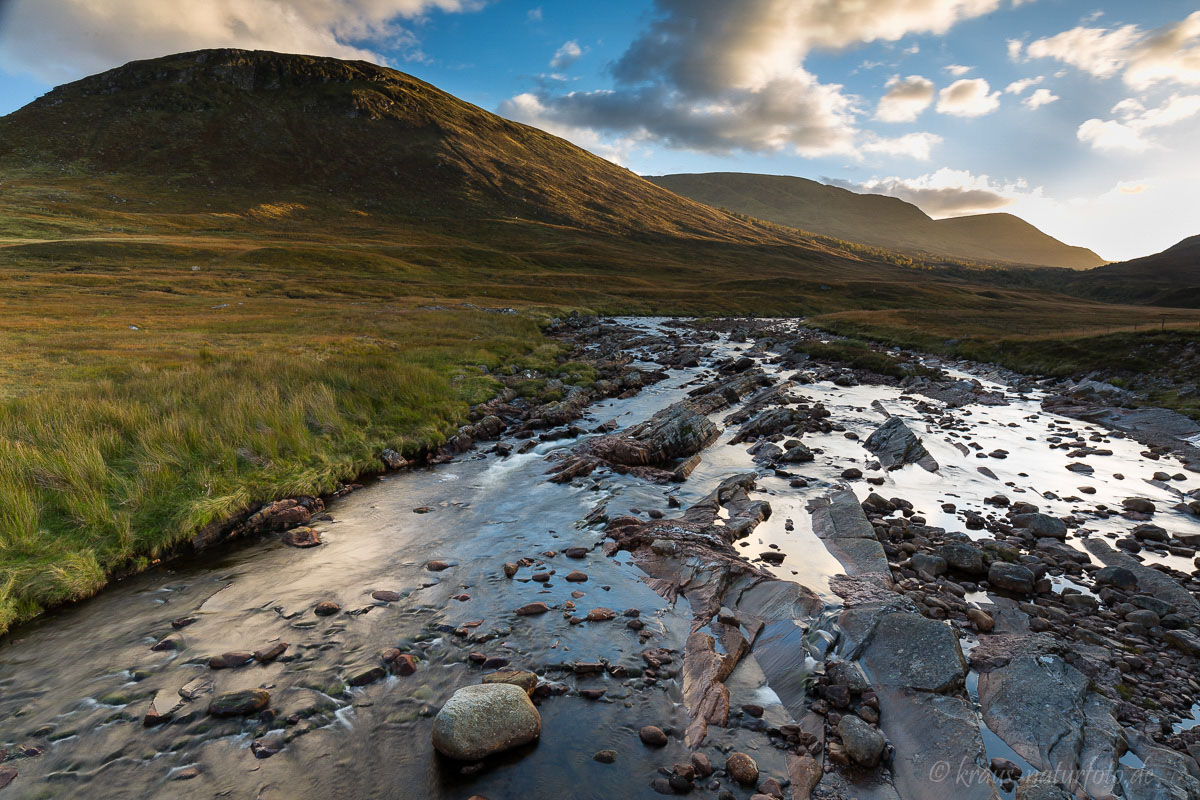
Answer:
(722, 568)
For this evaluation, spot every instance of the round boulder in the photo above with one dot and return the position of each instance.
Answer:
(1011, 578)
(480, 720)
(863, 743)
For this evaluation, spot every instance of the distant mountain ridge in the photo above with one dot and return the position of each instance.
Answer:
(878, 220)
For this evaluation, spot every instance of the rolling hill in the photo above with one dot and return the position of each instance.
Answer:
(1169, 278)
(878, 220)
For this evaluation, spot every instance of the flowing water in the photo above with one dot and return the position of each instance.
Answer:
(76, 684)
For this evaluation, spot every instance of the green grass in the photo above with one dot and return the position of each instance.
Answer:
(861, 355)
(110, 465)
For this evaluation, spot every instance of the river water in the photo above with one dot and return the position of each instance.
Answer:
(76, 684)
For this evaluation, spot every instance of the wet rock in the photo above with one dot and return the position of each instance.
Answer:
(701, 764)
(239, 704)
(1003, 768)
(1119, 577)
(911, 651)
(1139, 504)
(385, 595)
(196, 687)
(1041, 525)
(302, 536)
(863, 743)
(895, 445)
(230, 660)
(326, 608)
(605, 756)
(963, 557)
(600, 615)
(1011, 577)
(268, 745)
(437, 566)
(742, 768)
(576, 577)
(269, 654)
(1035, 703)
(517, 677)
(8, 774)
(480, 720)
(366, 676)
(510, 569)
(982, 620)
(531, 609)
(162, 708)
(653, 736)
(168, 643)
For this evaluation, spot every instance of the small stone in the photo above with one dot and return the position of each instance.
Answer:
(531, 609)
(510, 569)
(742, 769)
(269, 654)
(385, 595)
(981, 619)
(437, 566)
(326, 608)
(480, 720)
(239, 704)
(366, 676)
(863, 743)
(653, 736)
(302, 536)
(230, 660)
(605, 756)
(576, 577)
(600, 615)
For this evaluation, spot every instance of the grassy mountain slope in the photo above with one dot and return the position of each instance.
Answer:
(878, 220)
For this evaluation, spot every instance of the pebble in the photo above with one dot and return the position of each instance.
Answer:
(653, 736)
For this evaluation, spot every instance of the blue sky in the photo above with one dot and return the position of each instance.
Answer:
(1079, 116)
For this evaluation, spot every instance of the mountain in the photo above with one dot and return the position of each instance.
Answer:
(879, 221)
(267, 123)
(1169, 278)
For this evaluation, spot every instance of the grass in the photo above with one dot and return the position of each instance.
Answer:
(116, 445)
(861, 355)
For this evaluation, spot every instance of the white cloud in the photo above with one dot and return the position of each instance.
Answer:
(566, 55)
(1111, 135)
(1143, 58)
(968, 98)
(1016, 87)
(1040, 97)
(947, 192)
(917, 146)
(1014, 49)
(957, 70)
(59, 40)
(534, 14)
(1100, 51)
(1129, 134)
(718, 76)
(905, 99)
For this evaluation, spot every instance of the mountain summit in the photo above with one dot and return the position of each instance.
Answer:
(276, 124)
(879, 220)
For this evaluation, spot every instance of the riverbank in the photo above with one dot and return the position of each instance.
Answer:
(712, 488)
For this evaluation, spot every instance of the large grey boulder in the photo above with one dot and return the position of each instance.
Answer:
(1011, 577)
(895, 445)
(1035, 703)
(910, 651)
(1041, 525)
(478, 721)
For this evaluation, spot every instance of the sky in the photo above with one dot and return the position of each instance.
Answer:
(1081, 116)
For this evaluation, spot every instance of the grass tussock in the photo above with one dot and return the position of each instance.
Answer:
(109, 473)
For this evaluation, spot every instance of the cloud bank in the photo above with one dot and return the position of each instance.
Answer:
(87, 36)
(716, 76)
